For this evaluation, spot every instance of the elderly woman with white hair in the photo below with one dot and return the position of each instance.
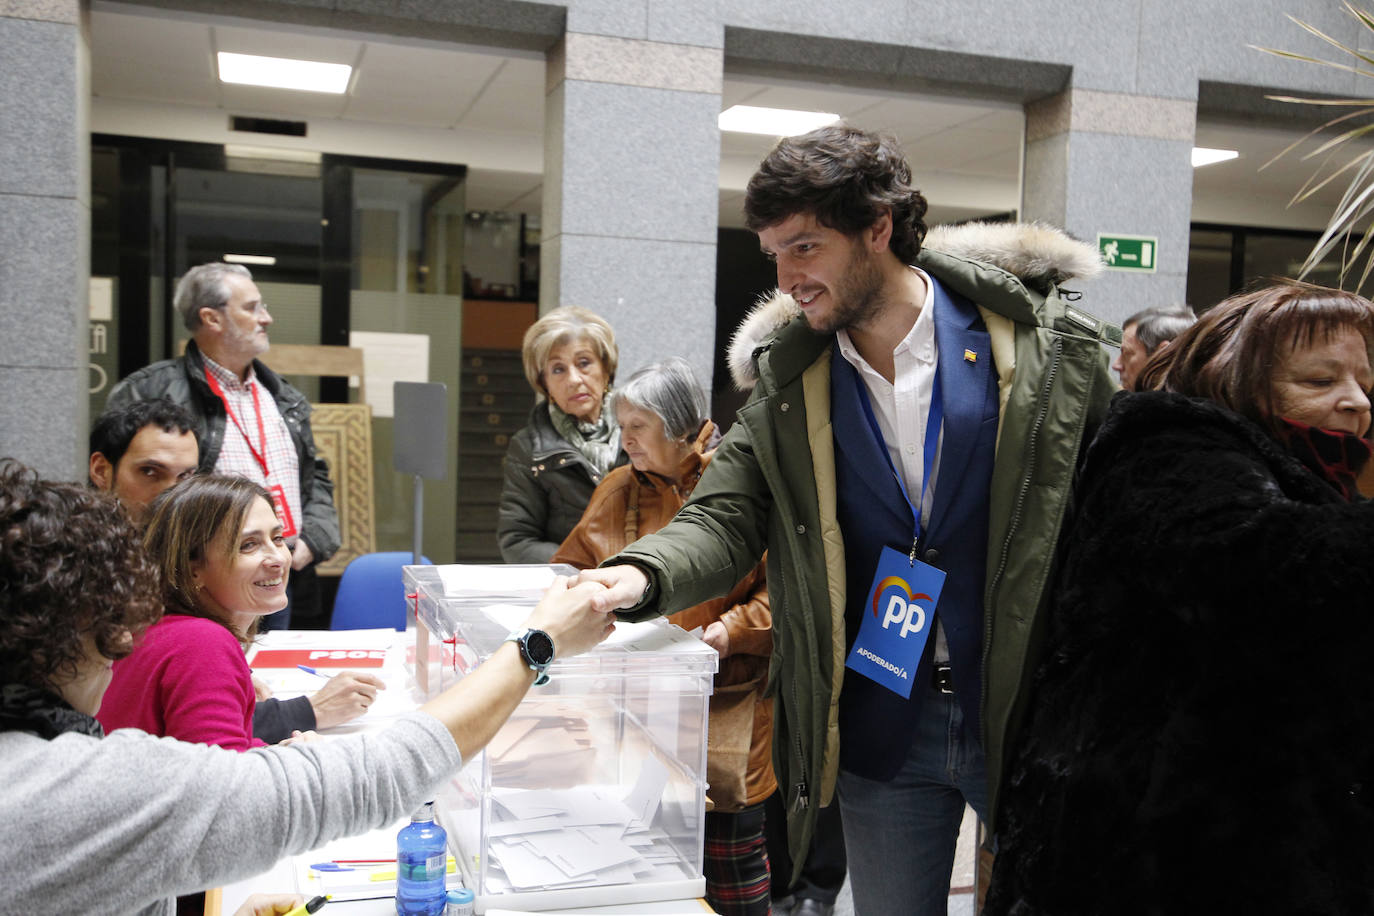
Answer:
(555, 462)
(669, 440)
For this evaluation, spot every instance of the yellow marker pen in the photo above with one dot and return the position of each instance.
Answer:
(309, 906)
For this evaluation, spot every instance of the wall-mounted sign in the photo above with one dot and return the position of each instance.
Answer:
(1128, 252)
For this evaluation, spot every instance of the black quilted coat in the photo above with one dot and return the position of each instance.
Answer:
(1202, 732)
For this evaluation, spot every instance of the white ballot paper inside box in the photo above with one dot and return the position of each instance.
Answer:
(547, 838)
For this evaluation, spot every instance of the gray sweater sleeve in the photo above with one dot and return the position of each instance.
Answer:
(119, 825)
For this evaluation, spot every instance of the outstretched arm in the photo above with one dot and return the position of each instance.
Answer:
(475, 708)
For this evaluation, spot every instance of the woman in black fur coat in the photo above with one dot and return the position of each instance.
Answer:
(1201, 738)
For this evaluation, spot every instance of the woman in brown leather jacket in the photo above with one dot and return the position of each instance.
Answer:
(669, 440)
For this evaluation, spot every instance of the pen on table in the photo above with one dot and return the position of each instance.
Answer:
(308, 670)
(310, 906)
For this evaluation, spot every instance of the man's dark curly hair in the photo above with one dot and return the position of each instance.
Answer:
(71, 565)
(846, 178)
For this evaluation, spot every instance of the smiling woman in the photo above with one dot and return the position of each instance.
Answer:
(224, 565)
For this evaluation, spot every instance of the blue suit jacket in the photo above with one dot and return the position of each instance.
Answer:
(876, 725)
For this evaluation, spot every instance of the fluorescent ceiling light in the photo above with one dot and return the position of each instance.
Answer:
(283, 73)
(262, 259)
(776, 122)
(1204, 156)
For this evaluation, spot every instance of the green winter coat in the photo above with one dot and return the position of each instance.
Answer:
(772, 486)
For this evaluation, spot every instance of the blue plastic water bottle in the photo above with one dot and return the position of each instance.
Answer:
(421, 863)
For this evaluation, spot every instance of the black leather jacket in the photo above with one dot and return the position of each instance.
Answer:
(183, 381)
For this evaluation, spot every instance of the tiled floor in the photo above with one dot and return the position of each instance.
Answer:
(961, 881)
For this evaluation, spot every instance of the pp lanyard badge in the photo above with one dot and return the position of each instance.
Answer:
(899, 611)
(897, 619)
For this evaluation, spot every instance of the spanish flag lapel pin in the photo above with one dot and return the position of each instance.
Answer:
(970, 356)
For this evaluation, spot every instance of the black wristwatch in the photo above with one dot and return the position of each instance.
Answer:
(536, 648)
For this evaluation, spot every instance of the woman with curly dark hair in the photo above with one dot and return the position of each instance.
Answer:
(121, 824)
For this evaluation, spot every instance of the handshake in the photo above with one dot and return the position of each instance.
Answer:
(578, 612)
(615, 588)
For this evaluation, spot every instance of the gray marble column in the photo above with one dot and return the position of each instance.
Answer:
(44, 234)
(1118, 164)
(631, 165)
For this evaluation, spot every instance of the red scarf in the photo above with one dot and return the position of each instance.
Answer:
(1336, 457)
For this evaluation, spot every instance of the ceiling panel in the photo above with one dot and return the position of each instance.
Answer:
(284, 103)
(412, 110)
(507, 107)
(168, 63)
(447, 81)
(947, 149)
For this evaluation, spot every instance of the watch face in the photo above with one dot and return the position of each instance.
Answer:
(539, 647)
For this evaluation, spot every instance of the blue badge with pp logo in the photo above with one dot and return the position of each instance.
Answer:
(899, 614)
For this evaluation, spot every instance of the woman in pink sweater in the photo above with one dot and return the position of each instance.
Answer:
(223, 564)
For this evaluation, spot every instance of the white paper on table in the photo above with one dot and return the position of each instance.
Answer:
(376, 844)
(507, 581)
(382, 638)
(643, 799)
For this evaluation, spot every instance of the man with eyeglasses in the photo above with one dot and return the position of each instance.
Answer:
(250, 422)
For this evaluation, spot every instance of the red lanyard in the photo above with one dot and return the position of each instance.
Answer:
(261, 456)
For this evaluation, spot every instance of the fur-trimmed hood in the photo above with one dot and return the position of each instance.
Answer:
(1034, 252)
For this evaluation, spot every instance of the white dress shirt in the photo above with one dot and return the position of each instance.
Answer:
(902, 409)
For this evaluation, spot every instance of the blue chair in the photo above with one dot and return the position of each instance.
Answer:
(370, 592)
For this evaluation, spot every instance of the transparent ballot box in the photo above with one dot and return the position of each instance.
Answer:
(593, 793)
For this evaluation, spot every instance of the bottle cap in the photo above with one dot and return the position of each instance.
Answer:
(461, 895)
(424, 813)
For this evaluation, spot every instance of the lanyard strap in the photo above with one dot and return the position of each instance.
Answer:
(934, 419)
(259, 453)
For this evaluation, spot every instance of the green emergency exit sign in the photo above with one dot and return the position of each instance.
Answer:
(1128, 252)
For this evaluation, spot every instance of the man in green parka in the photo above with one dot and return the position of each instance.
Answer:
(906, 459)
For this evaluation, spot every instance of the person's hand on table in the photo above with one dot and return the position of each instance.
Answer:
(269, 904)
(624, 586)
(566, 613)
(299, 737)
(346, 696)
(717, 637)
(260, 689)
